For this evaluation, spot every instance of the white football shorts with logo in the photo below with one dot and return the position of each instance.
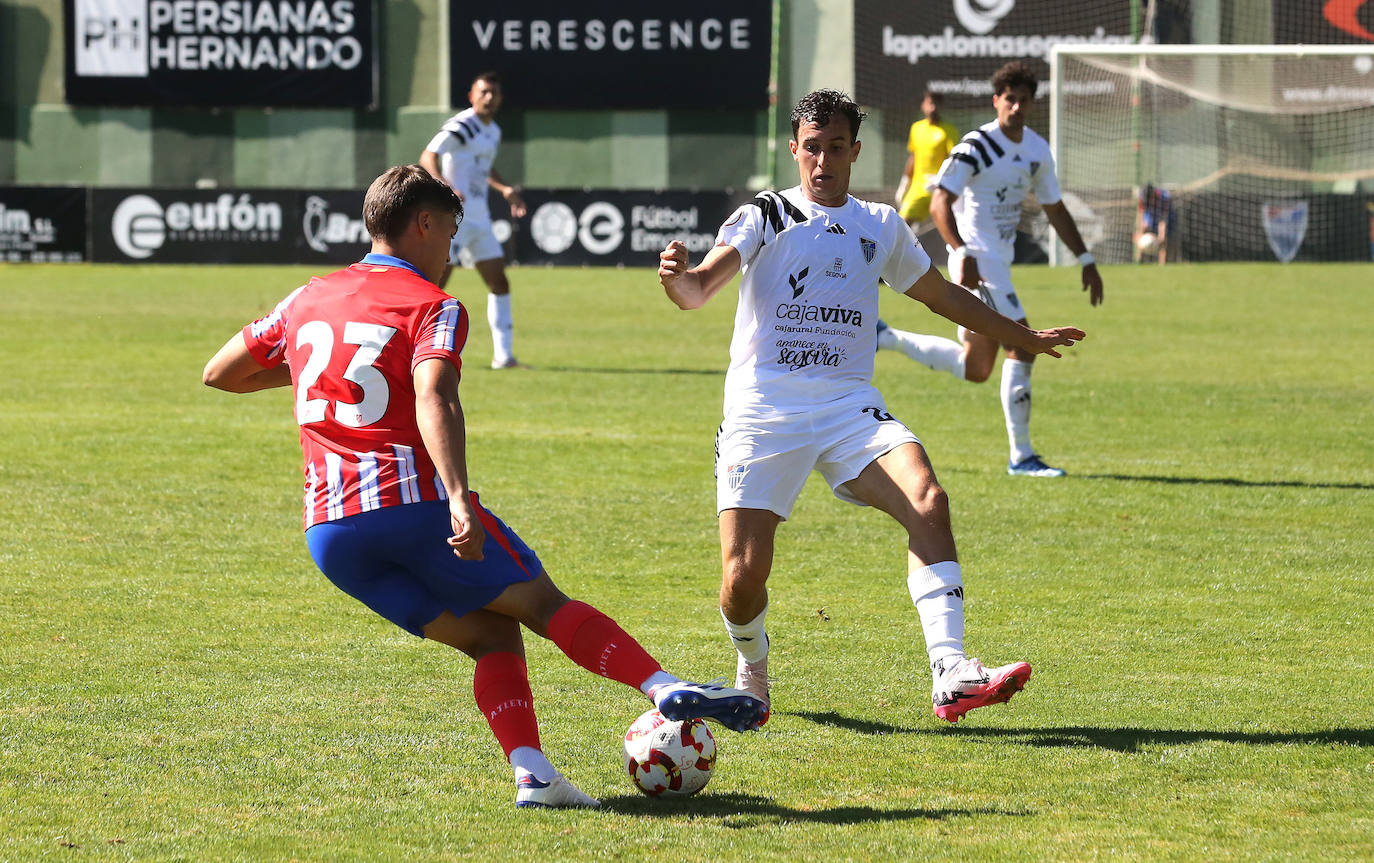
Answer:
(763, 463)
(996, 290)
(475, 241)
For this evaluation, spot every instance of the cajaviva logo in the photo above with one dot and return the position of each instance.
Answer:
(1344, 14)
(980, 16)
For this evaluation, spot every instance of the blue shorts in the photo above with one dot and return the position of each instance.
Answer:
(397, 561)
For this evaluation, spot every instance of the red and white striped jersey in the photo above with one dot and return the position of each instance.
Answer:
(352, 340)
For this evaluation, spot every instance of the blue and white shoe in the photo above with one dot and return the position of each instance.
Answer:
(736, 709)
(1033, 466)
(557, 793)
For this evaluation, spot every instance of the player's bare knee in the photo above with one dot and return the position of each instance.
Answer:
(931, 504)
(977, 371)
(743, 572)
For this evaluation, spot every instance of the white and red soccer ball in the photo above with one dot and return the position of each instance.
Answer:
(1147, 243)
(669, 759)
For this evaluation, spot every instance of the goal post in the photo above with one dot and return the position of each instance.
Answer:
(1266, 151)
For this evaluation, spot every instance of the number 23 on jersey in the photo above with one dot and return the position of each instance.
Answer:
(319, 338)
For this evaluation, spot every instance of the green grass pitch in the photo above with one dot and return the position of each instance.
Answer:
(179, 683)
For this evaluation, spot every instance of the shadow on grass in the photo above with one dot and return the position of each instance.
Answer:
(1224, 480)
(603, 371)
(1117, 739)
(731, 806)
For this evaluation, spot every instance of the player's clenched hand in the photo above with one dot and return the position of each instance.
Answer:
(672, 263)
(1045, 341)
(468, 534)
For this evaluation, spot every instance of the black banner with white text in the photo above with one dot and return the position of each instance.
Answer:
(316, 53)
(576, 227)
(42, 224)
(612, 54)
(567, 227)
(953, 47)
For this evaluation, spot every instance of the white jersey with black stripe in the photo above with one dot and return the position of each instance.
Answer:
(466, 147)
(806, 324)
(991, 174)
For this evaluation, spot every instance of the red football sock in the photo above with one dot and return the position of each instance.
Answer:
(598, 644)
(501, 685)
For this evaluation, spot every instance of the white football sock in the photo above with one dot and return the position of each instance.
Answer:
(1016, 406)
(938, 591)
(933, 352)
(749, 638)
(657, 679)
(502, 330)
(527, 759)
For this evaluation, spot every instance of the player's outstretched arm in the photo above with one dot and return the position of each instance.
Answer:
(439, 415)
(233, 369)
(691, 288)
(1064, 225)
(958, 305)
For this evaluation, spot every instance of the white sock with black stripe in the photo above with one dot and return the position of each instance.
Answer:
(938, 591)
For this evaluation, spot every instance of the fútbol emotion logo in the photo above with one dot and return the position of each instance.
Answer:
(553, 227)
(600, 228)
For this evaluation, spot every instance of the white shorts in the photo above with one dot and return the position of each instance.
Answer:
(995, 290)
(763, 464)
(474, 242)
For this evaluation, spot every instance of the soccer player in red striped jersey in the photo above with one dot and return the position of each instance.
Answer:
(373, 353)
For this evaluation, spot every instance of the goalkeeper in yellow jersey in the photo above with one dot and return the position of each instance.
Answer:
(929, 144)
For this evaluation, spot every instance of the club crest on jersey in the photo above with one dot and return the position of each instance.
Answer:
(1035, 166)
(1285, 225)
(870, 249)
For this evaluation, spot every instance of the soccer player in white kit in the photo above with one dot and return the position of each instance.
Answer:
(976, 206)
(461, 155)
(799, 393)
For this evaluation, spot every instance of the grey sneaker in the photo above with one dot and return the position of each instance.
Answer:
(1033, 466)
(557, 793)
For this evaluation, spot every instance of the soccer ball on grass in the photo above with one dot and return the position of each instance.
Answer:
(669, 759)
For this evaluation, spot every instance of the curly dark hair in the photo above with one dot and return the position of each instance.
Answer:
(396, 196)
(1015, 74)
(819, 106)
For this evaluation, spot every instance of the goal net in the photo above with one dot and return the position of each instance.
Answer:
(1266, 151)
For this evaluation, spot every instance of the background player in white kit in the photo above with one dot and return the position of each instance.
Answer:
(977, 205)
(461, 155)
(799, 393)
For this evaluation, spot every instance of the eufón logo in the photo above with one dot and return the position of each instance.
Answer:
(137, 226)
